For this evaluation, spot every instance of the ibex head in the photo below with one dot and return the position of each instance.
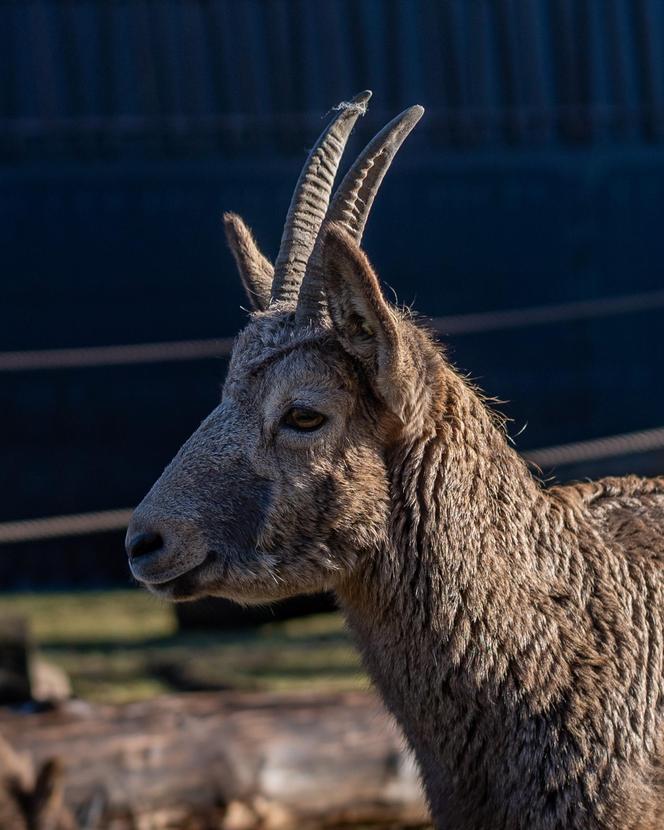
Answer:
(285, 484)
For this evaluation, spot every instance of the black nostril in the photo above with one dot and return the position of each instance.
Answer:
(144, 543)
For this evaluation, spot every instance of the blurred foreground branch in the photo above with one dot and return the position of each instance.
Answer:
(231, 761)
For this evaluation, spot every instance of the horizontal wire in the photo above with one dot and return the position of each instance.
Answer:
(114, 355)
(122, 355)
(54, 527)
(614, 446)
(542, 315)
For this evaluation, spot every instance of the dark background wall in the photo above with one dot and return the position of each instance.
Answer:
(128, 126)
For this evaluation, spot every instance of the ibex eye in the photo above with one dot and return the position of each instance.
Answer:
(306, 420)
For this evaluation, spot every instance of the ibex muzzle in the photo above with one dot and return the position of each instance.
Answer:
(207, 505)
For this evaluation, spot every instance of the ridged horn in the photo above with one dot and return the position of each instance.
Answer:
(354, 197)
(311, 198)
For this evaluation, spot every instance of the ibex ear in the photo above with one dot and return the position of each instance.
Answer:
(256, 271)
(365, 324)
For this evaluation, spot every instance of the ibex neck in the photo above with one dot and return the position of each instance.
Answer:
(462, 512)
(438, 612)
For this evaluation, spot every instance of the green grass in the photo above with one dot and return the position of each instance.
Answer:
(125, 645)
(92, 616)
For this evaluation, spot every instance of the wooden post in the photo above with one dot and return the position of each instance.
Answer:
(15, 656)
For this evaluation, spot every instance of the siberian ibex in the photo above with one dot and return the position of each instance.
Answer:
(515, 632)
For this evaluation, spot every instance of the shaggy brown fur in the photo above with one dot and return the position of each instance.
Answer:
(529, 621)
(29, 802)
(515, 632)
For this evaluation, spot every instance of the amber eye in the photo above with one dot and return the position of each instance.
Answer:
(306, 420)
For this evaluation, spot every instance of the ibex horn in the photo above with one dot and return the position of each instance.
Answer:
(354, 197)
(310, 200)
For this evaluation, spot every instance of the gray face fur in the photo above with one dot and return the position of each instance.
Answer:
(253, 509)
(259, 504)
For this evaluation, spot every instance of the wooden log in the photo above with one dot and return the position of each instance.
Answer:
(235, 761)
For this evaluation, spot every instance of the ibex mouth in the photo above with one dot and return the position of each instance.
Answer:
(184, 586)
(149, 574)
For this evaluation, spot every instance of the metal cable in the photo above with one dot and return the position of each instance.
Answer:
(114, 355)
(542, 315)
(54, 527)
(18, 361)
(82, 524)
(597, 449)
